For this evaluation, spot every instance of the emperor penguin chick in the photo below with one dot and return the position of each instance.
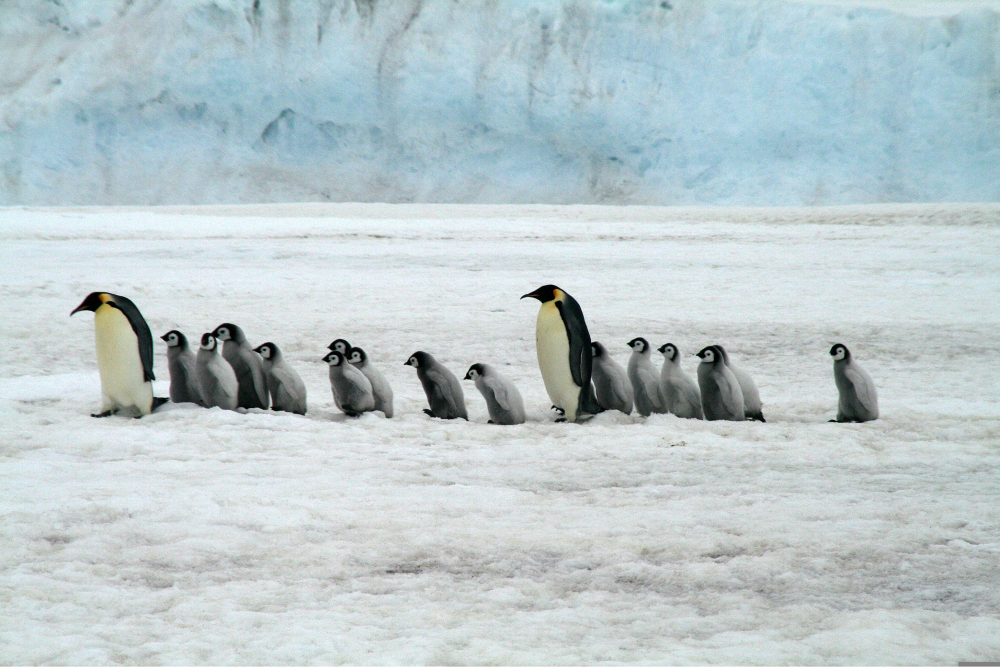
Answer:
(183, 375)
(562, 342)
(503, 400)
(721, 396)
(124, 354)
(858, 400)
(248, 365)
(444, 393)
(751, 397)
(611, 383)
(352, 391)
(645, 380)
(217, 381)
(380, 386)
(288, 392)
(679, 391)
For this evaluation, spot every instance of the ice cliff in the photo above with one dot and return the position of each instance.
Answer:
(767, 102)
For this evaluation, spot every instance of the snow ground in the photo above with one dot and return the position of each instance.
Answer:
(196, 536)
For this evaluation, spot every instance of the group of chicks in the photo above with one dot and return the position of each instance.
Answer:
(237, 375)
(724, 391)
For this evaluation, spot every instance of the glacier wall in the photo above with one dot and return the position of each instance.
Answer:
(765, 102)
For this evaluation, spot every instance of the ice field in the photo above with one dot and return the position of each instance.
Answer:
(203, 536)
(733, 102)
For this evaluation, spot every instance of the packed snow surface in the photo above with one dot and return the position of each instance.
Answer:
(765, 102)
(212, 537)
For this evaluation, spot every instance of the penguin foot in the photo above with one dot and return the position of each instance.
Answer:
(561, 420)
(490, 422)
(106, 413)
(558, 409)
(756, 418)
(429, 413)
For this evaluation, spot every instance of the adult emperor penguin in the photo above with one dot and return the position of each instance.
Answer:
(217, 381)
(444, 393)
(858, 400)
(288, 392)
(562, 342)
(645, 380)
(124, 354)
(611, 383)
(679, 390)
(352, 391)
(248, 365)
(503, 400)
(380, 386)
(181, 362)
(721, 396)
(751, 396)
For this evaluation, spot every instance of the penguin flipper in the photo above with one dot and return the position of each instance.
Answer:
(727, 392)
(439, 382)
(142, 332)
(580, 356)
(862, 388)
(499, 392)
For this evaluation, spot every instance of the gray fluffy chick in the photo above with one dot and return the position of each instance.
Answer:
(679, 390)
(751, 397)
(380, 386)
(248, 365)
(444, 393)
(611, 383)
(858, 400)
(503, 400)
(352, 391)
(721, 396)
(183, 369)
(217, 381)
(645, 380)
(288, 392)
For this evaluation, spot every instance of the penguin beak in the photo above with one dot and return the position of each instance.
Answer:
(467, 376)
(163, 337)
(532, 295)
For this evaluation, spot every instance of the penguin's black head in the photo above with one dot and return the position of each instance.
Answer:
(839, 352)
(418, 359)
(475, 370)
(709, 354)
(545, 293)
(335, 358)
(357, 355)
(228, 331)
(267, 350)
(208, 341)
(93, 301)
(639, 344)
(596, 349)
(175, 338)
(340, 345)
(669, 350)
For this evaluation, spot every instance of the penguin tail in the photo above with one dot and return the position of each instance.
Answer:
(158, 401)
(759, 417)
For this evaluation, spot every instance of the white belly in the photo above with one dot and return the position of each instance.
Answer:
(123, 382)
(552, 345)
